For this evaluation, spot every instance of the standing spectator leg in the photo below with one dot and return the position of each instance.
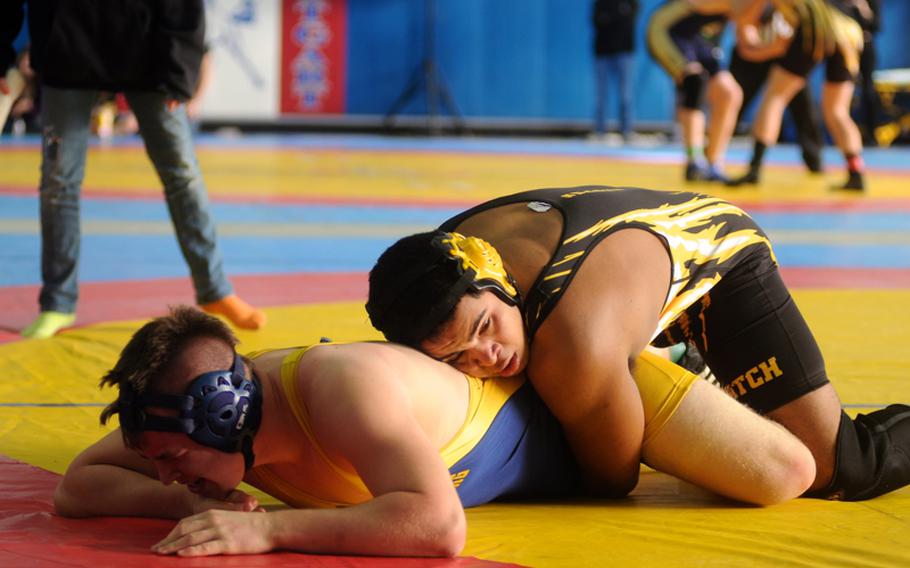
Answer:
(65, 116)
(625, 67)
(169, 144)
(600, 79)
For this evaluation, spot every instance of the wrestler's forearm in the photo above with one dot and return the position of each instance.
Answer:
(609, 463)
(751, 48)
(395, 524)
(107, 490)
(761, 53)
(600, 412)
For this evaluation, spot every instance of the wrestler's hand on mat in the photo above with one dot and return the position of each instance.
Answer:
(236, 500)
(218, 532)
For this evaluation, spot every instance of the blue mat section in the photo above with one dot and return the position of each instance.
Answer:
(26, 207)
(831, 222)
(140, 257)
(128, 257)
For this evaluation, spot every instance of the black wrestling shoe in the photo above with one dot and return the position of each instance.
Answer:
(694, 172)
(693, 361)
(813, 161)
(855, 182)
(749, 178)
(715, 174)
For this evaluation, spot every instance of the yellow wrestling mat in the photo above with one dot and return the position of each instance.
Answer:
(665, 521)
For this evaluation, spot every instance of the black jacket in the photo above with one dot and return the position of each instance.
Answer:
(111, 45)
(614, 26)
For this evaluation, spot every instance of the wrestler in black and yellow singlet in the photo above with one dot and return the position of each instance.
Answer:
(725, 293)
(823, 30)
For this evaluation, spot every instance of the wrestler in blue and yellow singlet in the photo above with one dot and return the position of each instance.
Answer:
(509, 445)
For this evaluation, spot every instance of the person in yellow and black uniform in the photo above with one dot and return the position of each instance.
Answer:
(580, 281)
(821, 31)
(807, 120)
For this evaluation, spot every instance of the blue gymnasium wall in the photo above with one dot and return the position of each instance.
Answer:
(893, 43)
(518, 59)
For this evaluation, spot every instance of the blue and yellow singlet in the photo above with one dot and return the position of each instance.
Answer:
(508, 446)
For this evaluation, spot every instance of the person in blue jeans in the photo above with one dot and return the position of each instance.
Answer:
(151, 51)
(614, 60)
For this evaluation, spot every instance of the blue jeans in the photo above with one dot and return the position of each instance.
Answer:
(66, 114)
(617, 68)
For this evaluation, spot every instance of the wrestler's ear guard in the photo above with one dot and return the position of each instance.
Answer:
(417, 283)
(480, 264)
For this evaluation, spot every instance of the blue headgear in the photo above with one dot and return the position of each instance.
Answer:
(220, 409)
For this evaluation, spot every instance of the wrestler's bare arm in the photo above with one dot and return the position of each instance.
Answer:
(752, 44)
(580, 360)
(415, 509)
(109, 479)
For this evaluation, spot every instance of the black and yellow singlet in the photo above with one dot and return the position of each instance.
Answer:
(704, 236)
(824, 27)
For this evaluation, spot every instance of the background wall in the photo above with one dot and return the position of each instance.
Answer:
(515, 60)
(519, 58)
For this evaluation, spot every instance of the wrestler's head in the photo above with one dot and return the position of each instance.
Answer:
(187, 402)
(451, 297)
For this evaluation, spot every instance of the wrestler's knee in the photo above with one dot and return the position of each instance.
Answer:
(692, 90)
(723, 89)
(788, 473)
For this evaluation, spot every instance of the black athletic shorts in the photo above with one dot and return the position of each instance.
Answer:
(704, 51)
(799, 60)
(753, 337)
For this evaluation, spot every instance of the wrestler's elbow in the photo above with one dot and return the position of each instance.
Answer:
(615, 486)
(67, 503)
(452, 541)
(446, 532)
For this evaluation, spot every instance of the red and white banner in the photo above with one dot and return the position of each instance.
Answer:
(313, 56)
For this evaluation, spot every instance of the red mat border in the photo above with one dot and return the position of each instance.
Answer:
(32, 535)
(139, 299)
